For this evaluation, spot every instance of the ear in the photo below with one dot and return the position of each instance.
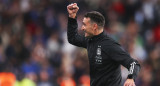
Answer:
(95, 26)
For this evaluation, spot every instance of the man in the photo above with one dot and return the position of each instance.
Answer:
(105, 55)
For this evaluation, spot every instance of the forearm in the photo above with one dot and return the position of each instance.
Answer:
(71, 29)
(73, 36)
(134, 70)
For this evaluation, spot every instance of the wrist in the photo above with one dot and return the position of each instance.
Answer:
(130, 76)
(72, 15)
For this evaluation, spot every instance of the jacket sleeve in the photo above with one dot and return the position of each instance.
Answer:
(73, 36)
(117, 54)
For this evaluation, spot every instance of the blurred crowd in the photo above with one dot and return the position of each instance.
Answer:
(34, 50)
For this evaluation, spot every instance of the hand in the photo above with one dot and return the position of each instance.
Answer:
(129, 82)
(72, 10)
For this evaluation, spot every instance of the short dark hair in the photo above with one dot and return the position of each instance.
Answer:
(96, 17)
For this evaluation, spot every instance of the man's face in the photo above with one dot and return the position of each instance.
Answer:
(87, 27)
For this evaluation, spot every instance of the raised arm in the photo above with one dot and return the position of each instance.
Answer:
(72, 32)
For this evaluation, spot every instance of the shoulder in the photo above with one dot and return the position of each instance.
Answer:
(108, 41)
(109, 44)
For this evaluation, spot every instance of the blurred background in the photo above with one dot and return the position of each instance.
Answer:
(34, 50)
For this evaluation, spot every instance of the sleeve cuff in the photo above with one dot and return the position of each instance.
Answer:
(130, 76)
(72, 20)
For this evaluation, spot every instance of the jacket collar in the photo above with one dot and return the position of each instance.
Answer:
(96, 37)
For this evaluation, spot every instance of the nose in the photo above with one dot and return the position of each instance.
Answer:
(82, 28)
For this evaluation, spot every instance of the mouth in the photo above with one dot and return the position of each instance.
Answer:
(83, 32)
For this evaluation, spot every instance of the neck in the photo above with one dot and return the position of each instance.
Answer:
(98, 31)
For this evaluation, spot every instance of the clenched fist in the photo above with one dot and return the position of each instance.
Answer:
(72, 10)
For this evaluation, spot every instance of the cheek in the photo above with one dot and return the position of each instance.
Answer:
(90, 29)
(87, 29)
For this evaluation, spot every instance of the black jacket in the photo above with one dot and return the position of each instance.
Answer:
(105, 57)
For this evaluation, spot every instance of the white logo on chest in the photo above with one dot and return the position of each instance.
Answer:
(98, 57)
(99, 50)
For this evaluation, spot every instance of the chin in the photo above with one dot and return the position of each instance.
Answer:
(87, 36)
